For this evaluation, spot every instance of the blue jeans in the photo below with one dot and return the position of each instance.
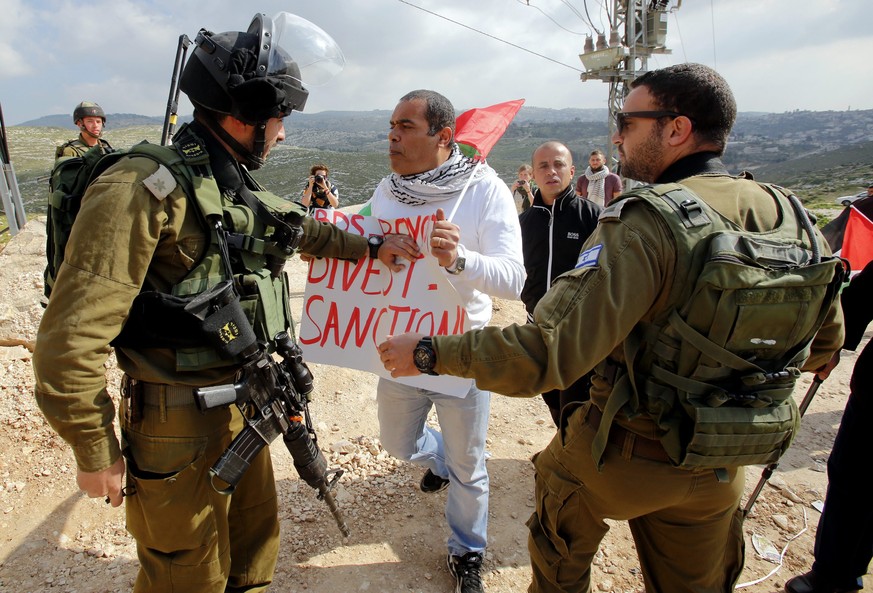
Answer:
(456, 453)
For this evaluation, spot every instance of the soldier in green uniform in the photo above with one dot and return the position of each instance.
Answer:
(686, 522)
(90, 119)
(141, 234)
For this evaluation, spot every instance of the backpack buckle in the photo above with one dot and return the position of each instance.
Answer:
(762, 378)
(693, 213)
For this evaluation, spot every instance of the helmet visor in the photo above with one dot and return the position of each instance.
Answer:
(318, 57)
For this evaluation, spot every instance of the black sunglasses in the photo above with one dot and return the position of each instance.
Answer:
(621, 117)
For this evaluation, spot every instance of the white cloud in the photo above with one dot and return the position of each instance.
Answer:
(777, 55)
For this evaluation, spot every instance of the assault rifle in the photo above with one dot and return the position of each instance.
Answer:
(172, 113)
(273, 399)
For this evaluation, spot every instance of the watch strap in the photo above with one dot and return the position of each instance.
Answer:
(374, 243)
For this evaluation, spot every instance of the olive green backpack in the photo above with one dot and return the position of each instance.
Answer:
(70, 177)
(717, 370)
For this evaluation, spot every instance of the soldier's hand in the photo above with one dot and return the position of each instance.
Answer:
(396, 354)
(103, 484)
(824, 372)
(395, 248)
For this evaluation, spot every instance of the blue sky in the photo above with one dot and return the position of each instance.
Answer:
(778, 55)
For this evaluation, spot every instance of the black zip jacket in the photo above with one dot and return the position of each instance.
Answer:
(552, 238)
(858, 314)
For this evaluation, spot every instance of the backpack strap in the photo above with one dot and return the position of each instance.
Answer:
(623, 395)
(59, 151)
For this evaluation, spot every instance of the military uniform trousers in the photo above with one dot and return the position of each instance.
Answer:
(191, 538)
(686, 524)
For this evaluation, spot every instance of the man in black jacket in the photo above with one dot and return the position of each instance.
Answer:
(844, 538)
(553, 231)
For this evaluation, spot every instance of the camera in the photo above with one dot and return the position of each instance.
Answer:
(521, 182)
(319, 178)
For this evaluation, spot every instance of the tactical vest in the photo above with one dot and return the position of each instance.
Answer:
(80, 148)
(241, 244)
(716, 369)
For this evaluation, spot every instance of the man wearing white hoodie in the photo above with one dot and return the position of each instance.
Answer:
(481, 256)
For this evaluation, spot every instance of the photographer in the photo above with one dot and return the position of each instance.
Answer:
(523, 189)
(319, 191)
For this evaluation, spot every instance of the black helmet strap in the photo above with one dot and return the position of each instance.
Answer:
(259, 144)
(254, 159)
(84, 130)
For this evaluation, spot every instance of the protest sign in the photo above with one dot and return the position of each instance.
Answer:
(350, 307)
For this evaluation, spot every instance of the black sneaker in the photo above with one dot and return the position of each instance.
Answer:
(431, 482)
(466, 569)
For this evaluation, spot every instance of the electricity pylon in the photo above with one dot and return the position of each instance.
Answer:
(638, 29)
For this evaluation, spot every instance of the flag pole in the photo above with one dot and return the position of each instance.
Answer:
(464, 191)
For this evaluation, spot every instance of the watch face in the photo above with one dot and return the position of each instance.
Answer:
(459, 264)
(422, 358)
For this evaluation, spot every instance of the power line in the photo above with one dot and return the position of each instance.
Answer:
(712, 16)
(491, 36)
(679, 32)
(575, 11)
(557, 24)
(596, 30)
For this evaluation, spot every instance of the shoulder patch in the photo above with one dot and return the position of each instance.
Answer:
(160, 183)
(613, 210)
(191, 150)
(589, 257)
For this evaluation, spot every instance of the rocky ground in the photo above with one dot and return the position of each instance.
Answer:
(52, 538)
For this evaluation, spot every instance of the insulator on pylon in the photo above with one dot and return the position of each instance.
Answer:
(589, 45)
(601, 41)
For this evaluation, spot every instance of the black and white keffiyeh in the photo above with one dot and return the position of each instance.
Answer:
(442, 183)
(595, 184)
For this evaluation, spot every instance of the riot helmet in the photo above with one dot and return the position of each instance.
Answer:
(88, 109)
(258, 74)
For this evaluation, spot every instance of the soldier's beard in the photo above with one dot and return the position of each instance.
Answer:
(644, 163)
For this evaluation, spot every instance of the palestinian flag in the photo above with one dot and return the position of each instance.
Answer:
(478, 130)
(851, 233)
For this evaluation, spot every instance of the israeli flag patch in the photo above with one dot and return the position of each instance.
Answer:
(588, 258)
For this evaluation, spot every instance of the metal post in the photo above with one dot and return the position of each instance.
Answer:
(11, 196)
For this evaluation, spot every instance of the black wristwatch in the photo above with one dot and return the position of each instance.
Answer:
(375, 242)
(424, 356)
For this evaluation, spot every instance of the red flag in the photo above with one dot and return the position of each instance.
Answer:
(858, 239)
(478, 130)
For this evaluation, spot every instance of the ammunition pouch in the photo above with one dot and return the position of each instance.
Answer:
(215, 317)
